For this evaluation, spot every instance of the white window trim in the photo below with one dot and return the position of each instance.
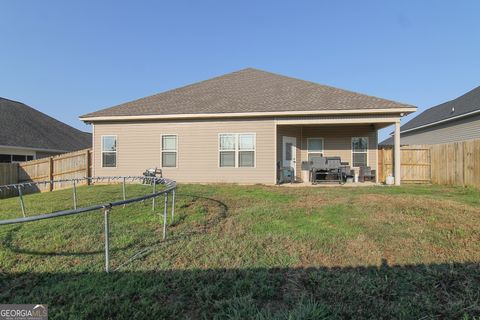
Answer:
(237, 150)
(176, 150)
(310, 152)
(368, 146)
(116, 151)
(254, 150)
(227, 150)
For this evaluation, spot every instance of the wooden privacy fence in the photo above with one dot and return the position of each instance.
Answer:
(456, 163)
(415, 163)
(8, 175)
(65, 166)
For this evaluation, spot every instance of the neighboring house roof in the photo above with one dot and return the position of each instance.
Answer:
(23, 126)
(387, 142)
(463, 106)
(247, 91)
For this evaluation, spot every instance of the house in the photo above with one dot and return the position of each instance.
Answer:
(27, 134)
(240, 127)
(452, 121)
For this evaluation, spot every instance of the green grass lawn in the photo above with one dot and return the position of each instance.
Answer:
(250, 252)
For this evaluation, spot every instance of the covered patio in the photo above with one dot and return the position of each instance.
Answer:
(352, 140)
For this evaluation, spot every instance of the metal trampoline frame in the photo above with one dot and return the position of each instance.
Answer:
(170, 186)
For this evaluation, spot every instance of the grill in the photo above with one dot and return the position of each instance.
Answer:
(151, 173)
(327, 169)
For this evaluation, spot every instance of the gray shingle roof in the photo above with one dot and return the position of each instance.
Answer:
(387, 142)
(23, 126)
(467, 103)
(247, 90)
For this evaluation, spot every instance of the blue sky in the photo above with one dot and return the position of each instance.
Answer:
(68, 58)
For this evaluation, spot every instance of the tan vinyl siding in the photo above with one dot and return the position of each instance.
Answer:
(454, 131)
(337, 141)
(139, 148)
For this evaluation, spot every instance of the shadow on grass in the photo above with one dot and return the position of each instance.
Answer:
(405, 292)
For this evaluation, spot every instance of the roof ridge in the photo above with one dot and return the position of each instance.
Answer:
(247, 90)
(433, 114)
(11, 100)
(449, 101)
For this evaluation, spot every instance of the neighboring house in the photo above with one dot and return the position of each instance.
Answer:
(452, 121)
(27, 134)
(239, 127)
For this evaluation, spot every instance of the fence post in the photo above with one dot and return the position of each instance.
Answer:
(74, 195)
(20, 195)
(154, 190)
(124, 191)
(431, 162)
(107, 235)
(173, 205)
(464, 168)
(385, 165)
(165, 216)
(16, 174)
(50, 172)
(380, 165)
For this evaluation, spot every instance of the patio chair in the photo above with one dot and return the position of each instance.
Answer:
(287, 175)
(366, 174)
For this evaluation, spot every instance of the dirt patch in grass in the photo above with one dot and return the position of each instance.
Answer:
(316, 201)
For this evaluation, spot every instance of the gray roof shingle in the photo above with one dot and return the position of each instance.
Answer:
(387, 142)
(467, 103)
(23, 126)
(248, 90)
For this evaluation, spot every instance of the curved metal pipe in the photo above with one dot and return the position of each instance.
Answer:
(170, 185)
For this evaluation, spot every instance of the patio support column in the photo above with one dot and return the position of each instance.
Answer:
(396, 153)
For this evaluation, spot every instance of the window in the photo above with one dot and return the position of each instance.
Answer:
(246, 150)
(169, 151)
(5, 158)
(227, 150)
(288, 151)
(18, 158)
(8, 158)
(237, 150)
(109, 151)
(314, 148)
(359, 151)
